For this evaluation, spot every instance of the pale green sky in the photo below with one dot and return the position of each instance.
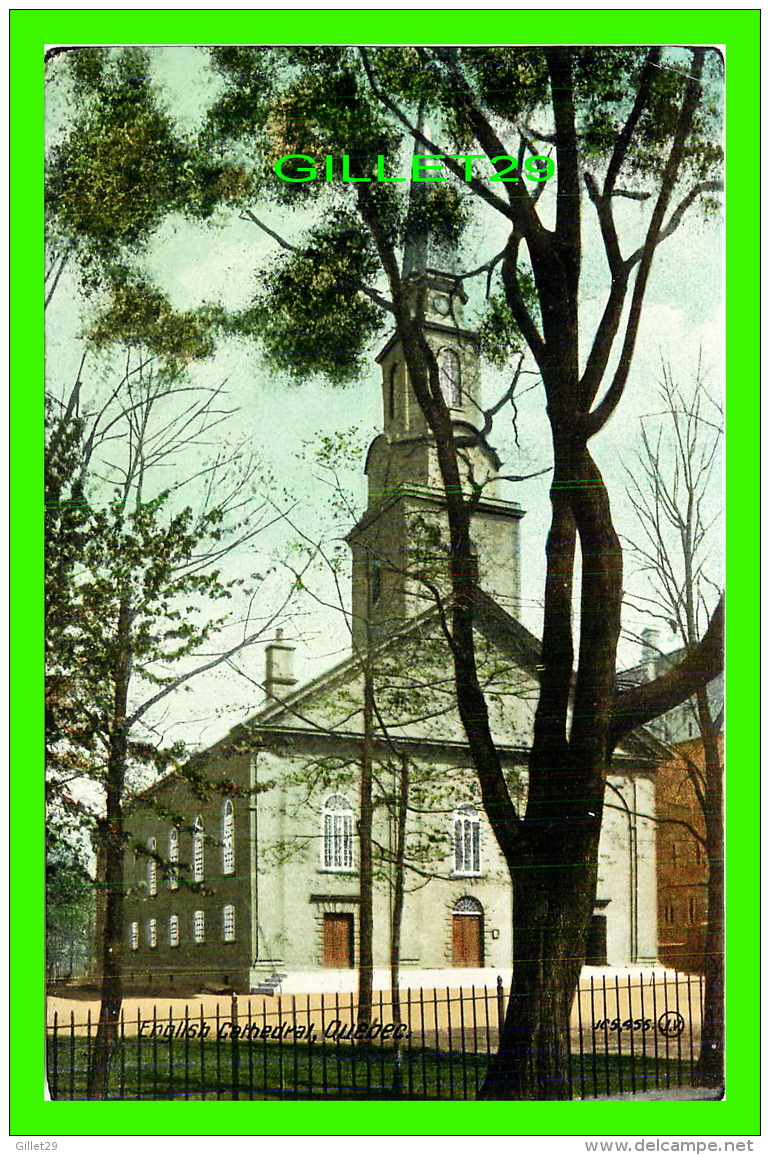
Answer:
(197, 263)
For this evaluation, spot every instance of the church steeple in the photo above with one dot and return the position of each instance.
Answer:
(401, 540)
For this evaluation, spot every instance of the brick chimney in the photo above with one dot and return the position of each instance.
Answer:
(279, 668)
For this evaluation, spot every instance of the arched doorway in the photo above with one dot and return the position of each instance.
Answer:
(468, 933)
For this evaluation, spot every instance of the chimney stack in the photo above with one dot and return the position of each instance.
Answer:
(651, 652)
(279, 668)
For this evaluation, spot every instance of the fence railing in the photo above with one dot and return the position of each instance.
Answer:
(626, 1035)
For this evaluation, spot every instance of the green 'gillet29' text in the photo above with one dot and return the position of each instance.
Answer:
(429, 166)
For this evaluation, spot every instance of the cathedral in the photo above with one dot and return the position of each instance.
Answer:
(261, 885)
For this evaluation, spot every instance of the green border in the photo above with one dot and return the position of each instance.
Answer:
(739, 32)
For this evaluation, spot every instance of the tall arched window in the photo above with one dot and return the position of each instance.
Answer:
(449, 376)
(152, 868)
(152, 932)
(198, 850)
(173, 930)
(467, 840)
(134, 935)
(392, 391)
(337, 833)
(199, 926)
(173, 859)
(228, 838)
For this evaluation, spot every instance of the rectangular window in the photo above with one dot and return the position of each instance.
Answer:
(338, 841)
(228, 839)
(173, 859)
(173, 930)
(152, 932)
(152, 868)
(228, 923)
(198, 864)
(199, 926)
(134, 935)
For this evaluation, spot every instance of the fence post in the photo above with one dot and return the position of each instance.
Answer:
(500, 1004)
(53, 1056)
(234, 1043)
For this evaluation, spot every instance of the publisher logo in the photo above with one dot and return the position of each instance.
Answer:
(671, 1024)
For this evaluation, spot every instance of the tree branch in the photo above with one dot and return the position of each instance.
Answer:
(637, 707)
(599, 417)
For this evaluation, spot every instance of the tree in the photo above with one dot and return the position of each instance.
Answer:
(130, 568)
(69, 897)
(645, 117)
(127, 597)
(669, 488)
(399, 691)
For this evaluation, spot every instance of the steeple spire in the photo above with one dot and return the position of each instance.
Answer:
(416, 235)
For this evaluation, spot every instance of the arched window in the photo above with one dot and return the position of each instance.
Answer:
(392, 391)
(198, 850)
(173, 858)
(134, 935)
(228, 923)
(228, 838)
(173, 930)
(152, 868)
(467, 840)
(449, 376)
(199, 926)
(152, 932)
(337, 833)
(468, 905)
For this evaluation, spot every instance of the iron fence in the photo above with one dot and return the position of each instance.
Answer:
(626, 1035)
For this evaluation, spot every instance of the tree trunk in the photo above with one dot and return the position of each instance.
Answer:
(397, 916)
(398, 890)
(366, 876)
(112, 940)
(553, 902)
(711, 1061)
(112, 980)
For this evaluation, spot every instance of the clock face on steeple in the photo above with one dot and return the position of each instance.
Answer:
(440, 303)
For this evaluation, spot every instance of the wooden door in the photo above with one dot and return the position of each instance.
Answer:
(467, 940)
(338, 940)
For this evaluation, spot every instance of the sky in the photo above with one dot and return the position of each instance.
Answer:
(683, 318)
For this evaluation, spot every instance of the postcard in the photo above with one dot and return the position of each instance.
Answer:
(385, 398)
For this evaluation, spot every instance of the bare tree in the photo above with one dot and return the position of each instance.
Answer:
(670, 488)
(131, 572)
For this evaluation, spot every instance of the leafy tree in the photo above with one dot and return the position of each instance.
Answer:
(132, 572)
(646, 118)
(69, 904)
